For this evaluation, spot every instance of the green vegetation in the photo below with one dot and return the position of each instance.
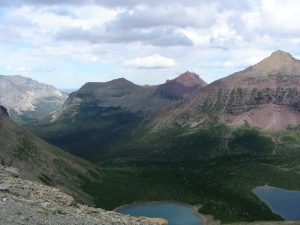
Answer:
(237, 97)
(82, 133)
(221, 185)
(26, 150)
(180, 144)
(45, 179)
(39, 160)
(215, 166)
(250, 141)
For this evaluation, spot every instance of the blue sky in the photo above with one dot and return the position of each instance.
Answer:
(68, 43)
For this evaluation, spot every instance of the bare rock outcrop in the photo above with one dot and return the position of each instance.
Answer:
(28, 100)
(26, 202)
(182, 87)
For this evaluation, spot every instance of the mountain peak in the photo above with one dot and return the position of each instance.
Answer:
(190, 79)
(184, 86)
(281, 55)
(121, 80)
(121, 83)
(279, 62)
(189, 75)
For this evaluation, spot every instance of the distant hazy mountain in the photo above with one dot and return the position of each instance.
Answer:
(28, 100)
(266, 95)
(67, 90)
(40, 161)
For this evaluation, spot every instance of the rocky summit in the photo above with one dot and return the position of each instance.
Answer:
(26, 202)
(181, 87)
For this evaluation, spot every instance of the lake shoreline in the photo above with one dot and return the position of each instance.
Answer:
(204, 219)
(275, 198)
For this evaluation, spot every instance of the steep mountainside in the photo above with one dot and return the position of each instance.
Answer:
(101, 115)
(40, 161)
(27, 100)
(26, 202)
(266, 95)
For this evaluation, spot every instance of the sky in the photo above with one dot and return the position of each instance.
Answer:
(67, 43)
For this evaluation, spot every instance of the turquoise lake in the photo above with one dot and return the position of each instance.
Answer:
(176, 214)
(285, 203)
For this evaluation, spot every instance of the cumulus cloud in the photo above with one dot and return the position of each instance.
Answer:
(123, 3)
(211, 35)
(279, 18)
(164, 16)
(154, 61)
(23, 69)
(10, 3)
(156, 36)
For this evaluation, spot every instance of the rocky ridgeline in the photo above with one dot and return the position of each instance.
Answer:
(25, 202)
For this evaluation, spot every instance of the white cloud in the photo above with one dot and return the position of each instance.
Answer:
(91, 40)
(147, 17)
(23, 69)
(154, 61)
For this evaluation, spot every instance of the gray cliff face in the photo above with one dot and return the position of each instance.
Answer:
(26, 202)
(27, 100)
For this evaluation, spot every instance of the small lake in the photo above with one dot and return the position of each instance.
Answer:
(176, 214)
(285, 203)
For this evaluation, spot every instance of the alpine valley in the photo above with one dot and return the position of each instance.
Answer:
(206, 145)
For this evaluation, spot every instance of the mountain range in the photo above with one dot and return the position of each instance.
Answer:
(106, 114)
(184, 140)
(265, 95)
(102, 121)
(131, 97)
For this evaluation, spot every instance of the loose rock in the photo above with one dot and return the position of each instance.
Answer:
(26, 202)
(4, 187)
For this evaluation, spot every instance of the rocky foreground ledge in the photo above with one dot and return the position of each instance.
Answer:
(25, 202)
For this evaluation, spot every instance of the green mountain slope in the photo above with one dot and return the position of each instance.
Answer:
(40, 161)
(102, 116)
